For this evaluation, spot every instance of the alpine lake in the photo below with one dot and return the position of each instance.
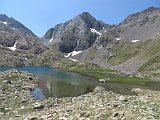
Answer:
(56, 83)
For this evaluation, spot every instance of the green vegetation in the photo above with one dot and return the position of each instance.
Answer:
(97, 73)
(124, 52)
(150, 62)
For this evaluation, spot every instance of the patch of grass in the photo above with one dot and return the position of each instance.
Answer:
(124, 52)
(150, 62)
(109, 75)
(134, 80)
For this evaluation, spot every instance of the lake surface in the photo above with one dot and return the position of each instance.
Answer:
(54, 83)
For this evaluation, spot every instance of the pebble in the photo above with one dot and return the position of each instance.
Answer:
(102, 80)
(122, 98)
(115, 114)
(38, 106)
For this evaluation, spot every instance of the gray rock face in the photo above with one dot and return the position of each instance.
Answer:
(13, 32)
(17, 43)
(75, 34)
(15, 25)
(142, 25)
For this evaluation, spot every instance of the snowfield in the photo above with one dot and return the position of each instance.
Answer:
(73, 53)
(51, 39)
(134, 41)
(118, 38)
(3, 22)
(14, 47)
(95, 31)
(74, 60)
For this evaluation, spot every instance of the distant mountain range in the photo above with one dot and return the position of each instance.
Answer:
(131, 46)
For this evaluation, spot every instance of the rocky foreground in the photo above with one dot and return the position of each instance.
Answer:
(18, 104)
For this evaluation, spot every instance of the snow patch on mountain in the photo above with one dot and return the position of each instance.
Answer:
(74, 60)
(118, 38)
(3, 22)
(134, 41)
(14, 47)
(76, 53)
(95, 31)
(51, 39)
(69, 54)
(73, 53)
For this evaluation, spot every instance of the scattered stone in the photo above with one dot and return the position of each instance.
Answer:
(101, 80)
(49, 116)
(7, 81)
(69, 110)
(22, 107)
(38, 106)
(17, 116)
(116, 104)
(122, 98)
(23, 101)
(124, 118)
(115, 114)
(136, 90)
(7, 109)
(98, 89)
(31, 118)
(15, 112)
(30, 78)
(84, 114)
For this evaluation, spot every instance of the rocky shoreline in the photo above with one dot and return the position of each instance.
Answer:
(18, 104)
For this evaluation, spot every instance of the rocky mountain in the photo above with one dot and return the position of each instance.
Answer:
(15, 25)
(18, 44)
(142, 25)
(83, 31)
(13, 33)
(77, 34)
(130, 47)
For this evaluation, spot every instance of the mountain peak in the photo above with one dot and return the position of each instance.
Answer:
(3, 17)
(15, 25)
(86, 16)
(75, 34)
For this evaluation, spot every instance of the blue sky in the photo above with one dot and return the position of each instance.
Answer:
(40, 15)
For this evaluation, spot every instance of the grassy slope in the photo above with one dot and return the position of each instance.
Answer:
(148, 51)
(125, 51)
